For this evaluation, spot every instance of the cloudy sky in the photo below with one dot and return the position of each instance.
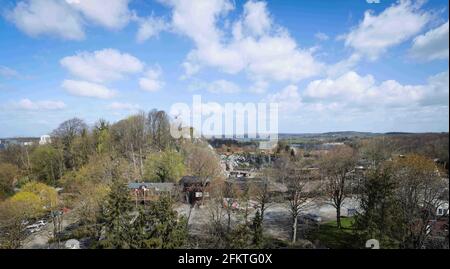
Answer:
(362, 65)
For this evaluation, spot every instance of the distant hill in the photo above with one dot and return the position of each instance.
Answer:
(342, 134)
(20, 139)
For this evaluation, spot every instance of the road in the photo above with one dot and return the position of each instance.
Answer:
(39, 240)
(277, 221)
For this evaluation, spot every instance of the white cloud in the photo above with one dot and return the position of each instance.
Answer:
(102, 65)
(343, 66)
(357, 102)
(27, 104)
(373, 1)
(150, 27)
(437, 91)
(111, 14)
(123, 106)
(353, 90)
(321, 36)
(396, 24)
(223, 86)
(432, 45)
(54, 17)
(8, 72)
(87, 89)
(68, 19)
(151, 81)
(220, 86)
(288, 99)
(256, 18)
(255, 45)
(259, 86)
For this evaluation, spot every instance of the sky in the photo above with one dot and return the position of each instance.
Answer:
(360, 65)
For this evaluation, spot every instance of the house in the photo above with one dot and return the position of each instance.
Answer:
(45, 139)
(193, 188)
(442, 209)
(149, 191)
(438, 227)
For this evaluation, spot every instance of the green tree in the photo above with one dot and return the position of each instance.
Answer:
(64, 137)
(378, 216)
(117, 218)
(160, 227)
(240, 237)
(8, 174)
(14, 212)
(102, 137)
(48, 196)
(82, 148)
(166, 166)
(257, 230)
(46, 164)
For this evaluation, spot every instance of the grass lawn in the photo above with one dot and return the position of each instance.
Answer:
(330, 236)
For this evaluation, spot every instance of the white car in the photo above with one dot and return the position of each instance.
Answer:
(32, 226)
(36, 225)
(41, 223)
(38, 229)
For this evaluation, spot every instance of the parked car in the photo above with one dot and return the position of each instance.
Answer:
(37, 225)
(311, 217)
(41, 223)
(32, 226)
(38, 229)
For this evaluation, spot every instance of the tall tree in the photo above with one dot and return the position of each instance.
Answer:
(159, 226)
(166, 166)
(336, 167)
(203, 162)
(64, 137)
(9, 173)
(47, 164)
(298, 196)
(117, 218)
(378, 214)
(158, 126)
(258, 237)
(421, 190)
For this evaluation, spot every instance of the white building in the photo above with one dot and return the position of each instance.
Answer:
(442, 209)
(45, 139)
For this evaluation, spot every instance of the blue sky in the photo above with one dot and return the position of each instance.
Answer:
(330, 65)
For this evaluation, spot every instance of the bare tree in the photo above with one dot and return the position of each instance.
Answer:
(203, 162)
(299, 196)
(64, 137)
(259, 191)
(231, 195)
(216, 214)
(420, 192)
(158, 128)
(336, 167)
